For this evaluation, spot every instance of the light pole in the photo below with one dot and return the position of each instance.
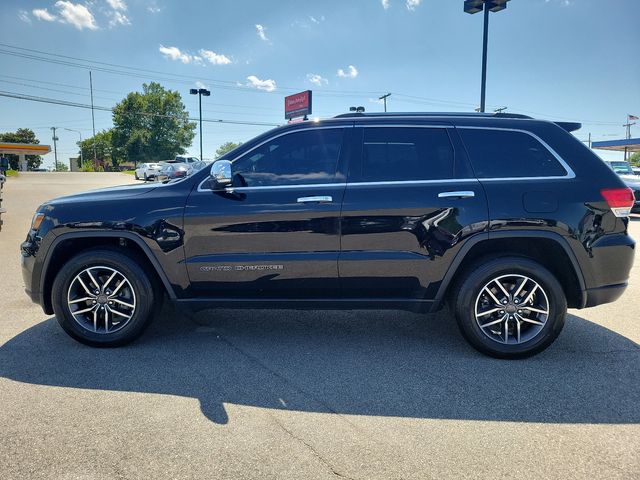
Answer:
(384, 99)
(475, 6)
(55, 149)
(356, 109)
(80, 145)
(200, 92)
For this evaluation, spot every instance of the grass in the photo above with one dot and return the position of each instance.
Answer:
(129, 172)
(12, 173)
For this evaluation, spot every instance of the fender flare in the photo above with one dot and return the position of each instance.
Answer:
(473, 241)
(103, 234)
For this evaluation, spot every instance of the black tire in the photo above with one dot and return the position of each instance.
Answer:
(469, 293)
(139, 282)
(135, 174)
(145, 177)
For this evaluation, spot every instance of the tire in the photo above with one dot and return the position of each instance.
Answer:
(135, 174)
(510, 330)
(145, 177)
(71, 297)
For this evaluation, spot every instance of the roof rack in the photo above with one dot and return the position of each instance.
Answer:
(432, 114)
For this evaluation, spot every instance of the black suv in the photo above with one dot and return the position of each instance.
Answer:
(507, 219)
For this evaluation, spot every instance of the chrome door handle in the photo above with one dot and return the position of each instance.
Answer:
(317, 198)
(457, 194)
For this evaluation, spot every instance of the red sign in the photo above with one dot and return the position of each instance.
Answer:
(297, 105)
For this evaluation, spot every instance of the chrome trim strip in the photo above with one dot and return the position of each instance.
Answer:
(570, 173)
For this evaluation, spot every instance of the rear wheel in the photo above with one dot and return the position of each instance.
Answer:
(510, 307)
(103, 298)
(145, 177)
(135, 174)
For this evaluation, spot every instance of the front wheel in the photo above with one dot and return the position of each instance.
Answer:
(103, 298)
(510, 307)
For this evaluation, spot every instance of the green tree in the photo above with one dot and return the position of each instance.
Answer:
(151, 126)
(635, 159)
(226, 147)
(104, 148)
(22, 135)
(62, 167)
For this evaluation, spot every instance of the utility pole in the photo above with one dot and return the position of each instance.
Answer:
(55, 149)
(384, 99)
(589, 139)
(485, 38)
(628, 134)
(93, 122)
(500, 110)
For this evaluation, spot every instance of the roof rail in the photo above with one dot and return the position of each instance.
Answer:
(432, 114)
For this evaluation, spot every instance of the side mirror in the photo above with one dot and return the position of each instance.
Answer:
(221, 176)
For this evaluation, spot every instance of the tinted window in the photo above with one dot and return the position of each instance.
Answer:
(306, 157)
(506, 154)
(399, 153)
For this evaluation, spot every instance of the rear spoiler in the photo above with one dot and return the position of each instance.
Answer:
(569, 126)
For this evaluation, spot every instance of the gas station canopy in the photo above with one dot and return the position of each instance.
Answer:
(627, 145)
(22, 150)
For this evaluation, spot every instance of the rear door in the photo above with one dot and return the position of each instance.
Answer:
(410, 203)
(275, 234)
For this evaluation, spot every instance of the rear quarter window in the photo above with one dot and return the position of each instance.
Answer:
(509, 154)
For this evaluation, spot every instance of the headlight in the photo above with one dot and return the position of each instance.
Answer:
(37, 220)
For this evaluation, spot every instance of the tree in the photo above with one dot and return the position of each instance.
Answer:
(226, 147)
(104, 147)
(152, 125)
(62, 167)
(22, 135)
(635, 159)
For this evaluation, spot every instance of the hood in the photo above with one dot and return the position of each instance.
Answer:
(109, 193)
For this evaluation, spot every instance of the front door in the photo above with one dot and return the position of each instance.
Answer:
(275, 233)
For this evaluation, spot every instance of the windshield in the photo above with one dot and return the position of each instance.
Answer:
(621, 168)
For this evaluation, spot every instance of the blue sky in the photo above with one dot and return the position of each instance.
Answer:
(554, 59)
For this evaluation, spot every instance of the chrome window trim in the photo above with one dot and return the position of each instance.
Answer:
(570, 173)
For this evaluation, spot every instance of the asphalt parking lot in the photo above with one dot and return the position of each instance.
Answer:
(301, 395)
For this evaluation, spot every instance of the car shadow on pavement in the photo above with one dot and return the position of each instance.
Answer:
(362, 363)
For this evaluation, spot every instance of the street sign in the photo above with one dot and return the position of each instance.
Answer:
(297, 105)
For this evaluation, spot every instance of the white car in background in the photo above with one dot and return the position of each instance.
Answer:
(147, 171)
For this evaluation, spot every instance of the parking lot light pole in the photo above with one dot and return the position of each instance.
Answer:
(475, 6)
(80, 145)
(200, 92)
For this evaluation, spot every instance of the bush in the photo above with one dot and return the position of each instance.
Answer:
(87, 166)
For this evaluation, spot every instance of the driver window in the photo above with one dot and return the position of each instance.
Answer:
(304, 157)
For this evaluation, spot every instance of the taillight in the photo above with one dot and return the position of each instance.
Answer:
(620, 200)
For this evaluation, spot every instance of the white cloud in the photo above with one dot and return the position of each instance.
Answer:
(24, 16)
(412, 4)
(117, 5)
(316, 20)
(215, 58)
(375, 100)
(43, 14)
(352, 72)
(174, 53)
(261, 31)
(385, 4)
(118, 18)
(316, 79)
(566, 3)
(153, 7)
(199, 84)
(266, 85)
(77, 15)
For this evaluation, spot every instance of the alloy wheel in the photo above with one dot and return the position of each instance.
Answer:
(101, 299)
(512, 309)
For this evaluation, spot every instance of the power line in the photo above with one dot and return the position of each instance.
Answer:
(107, 109)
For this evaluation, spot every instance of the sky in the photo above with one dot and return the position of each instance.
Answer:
(553, 59)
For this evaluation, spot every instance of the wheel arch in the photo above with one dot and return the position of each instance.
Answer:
(530, 244)
(67, 245)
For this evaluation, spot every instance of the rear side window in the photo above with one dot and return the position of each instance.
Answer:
(406, 154)
(509, 154)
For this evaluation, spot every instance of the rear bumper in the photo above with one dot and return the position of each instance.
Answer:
(602, 295)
